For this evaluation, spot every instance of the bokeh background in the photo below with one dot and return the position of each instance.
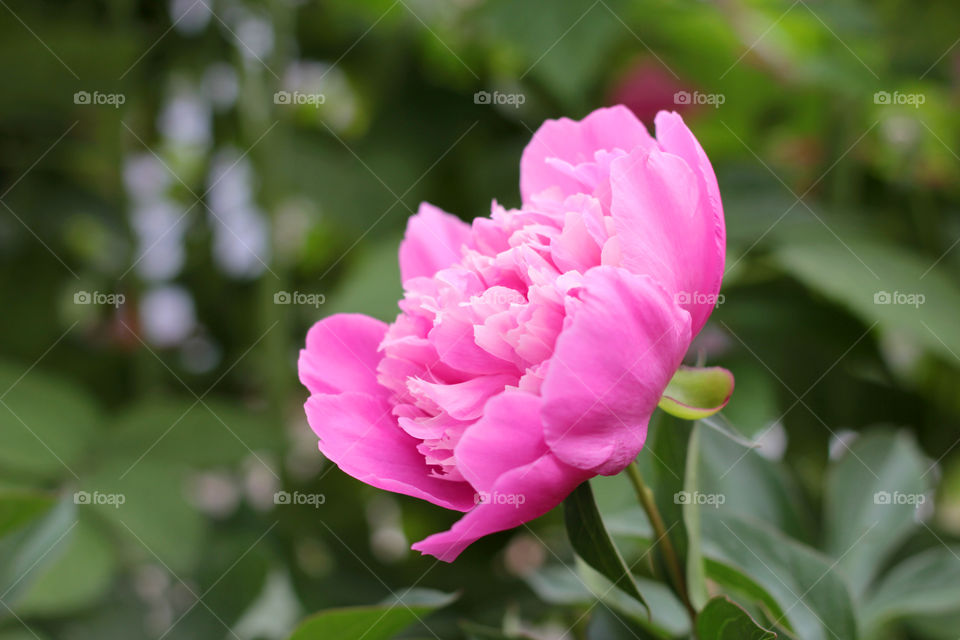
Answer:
(171, 226)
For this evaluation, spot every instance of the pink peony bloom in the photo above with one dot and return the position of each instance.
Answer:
(532, 346)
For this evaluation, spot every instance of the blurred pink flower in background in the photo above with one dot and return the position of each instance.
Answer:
(533, 345)
(647, 87)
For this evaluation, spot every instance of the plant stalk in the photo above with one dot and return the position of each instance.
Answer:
(645, 496)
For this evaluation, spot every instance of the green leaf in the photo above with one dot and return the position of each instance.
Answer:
(923, 585)
(803, 582)
(743, 586)
(378, 622)
(78, 577)
(883, 283)
(697, 392)
(18, 507)
(46, 425)
(25, 553)
(665, 616)
(371, 283)
(590, 540)
(607, 624)
(695, 570)
(752, 486)
(184, 432)
(146, 504)
(870, 500)
(722, 619)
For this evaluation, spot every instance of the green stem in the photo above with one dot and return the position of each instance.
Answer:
(645, 496)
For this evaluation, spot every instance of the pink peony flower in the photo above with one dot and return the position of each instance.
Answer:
(532, 346)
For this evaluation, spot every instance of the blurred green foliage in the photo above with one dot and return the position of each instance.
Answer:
(200, 198)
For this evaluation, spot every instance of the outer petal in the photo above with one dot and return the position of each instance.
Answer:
(341, 355)
(577, 142)
(517, 483)
(611, 364)
(359, 433)
(676, 138)
(662, 229)
(433, 241)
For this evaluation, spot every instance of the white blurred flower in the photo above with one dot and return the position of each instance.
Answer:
(253, 34)
(145, 177)
(220, 85)
(241, 235)
(189, 17)
(185, 119)
(160, 227)
(772, 441)
(167, 315)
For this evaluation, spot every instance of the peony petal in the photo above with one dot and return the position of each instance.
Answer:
(662, 230)
(512, 417)
(540, 485)
(434, 241)
(341, 355)
(463, 400)
(359, 434)
(515, 484)
(611, 364)
(577, 142)
(676, 138)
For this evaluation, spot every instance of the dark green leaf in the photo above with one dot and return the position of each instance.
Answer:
(378, 622)
(883, 283)
(590, 540)
(46, 425)
(927, 584)
(18, 507)
(76, 578)
(722, 619)
(26, 553)
(811, 594)
(872, 494)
